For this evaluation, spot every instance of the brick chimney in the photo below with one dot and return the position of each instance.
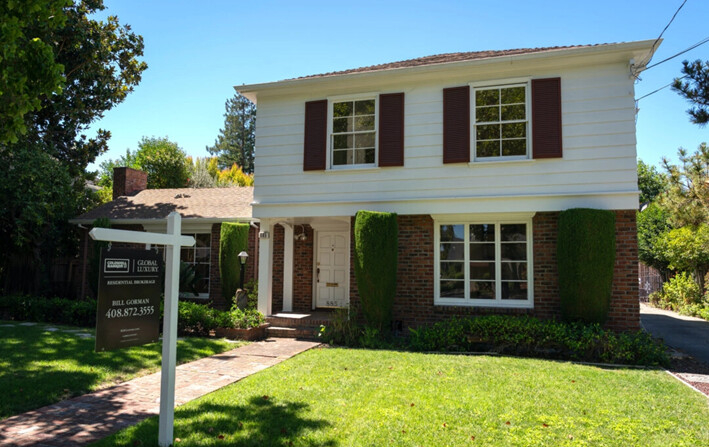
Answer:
(128, 182)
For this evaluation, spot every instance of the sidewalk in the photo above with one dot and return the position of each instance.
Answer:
(85, 419)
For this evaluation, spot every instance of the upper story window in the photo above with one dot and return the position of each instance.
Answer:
(353, 138)
(501, 117)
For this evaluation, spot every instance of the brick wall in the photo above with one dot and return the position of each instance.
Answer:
(413, 305)
(302, 270)
(277, 290)
(128, 181)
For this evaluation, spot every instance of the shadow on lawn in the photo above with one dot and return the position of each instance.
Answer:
(261, 422)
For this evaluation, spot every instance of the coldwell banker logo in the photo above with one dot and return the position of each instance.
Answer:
(113, 265)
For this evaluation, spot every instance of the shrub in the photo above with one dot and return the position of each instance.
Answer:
(531, 337)
(49, 310)
(681, 290)
(376, 257)
(233, 240)
(195, 318)
(241, 319)
(343, 330)
(586, 256)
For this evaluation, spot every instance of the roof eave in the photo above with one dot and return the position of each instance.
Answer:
(128, 221)
(633, 49)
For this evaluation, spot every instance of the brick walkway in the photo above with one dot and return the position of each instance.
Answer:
(90, 417)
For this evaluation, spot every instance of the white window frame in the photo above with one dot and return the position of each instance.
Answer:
(466, 301)
(194, 248)
(330, 138)
(515, 82)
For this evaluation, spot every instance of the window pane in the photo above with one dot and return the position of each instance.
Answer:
(342, 141)
(342, 109)
(202, 286)
(514, 147)
(452, 251)
(187, 254)
(486, 114)
(364, 140)
(369, 156)
(512, 95)
(487, 149)
(364, 107)
(364, 123)
(202, 271)
(452, 233)
(514, 290)
(342, 125)
(482, 252)
(452, 289)
(514, 252)
(482, 290)
(516, 271)
(452, 270)
(488, 132)
(482, 270)
(203, 239)
(364, 156)
(487, 97)
(514, 130)
(482, 233)
(516, 112)
(202, 255)
(513, 232)
(341, 157)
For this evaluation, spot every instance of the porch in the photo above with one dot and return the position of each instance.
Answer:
(299, 325)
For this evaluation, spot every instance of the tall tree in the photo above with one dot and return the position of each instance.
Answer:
(236, 141)
(28, 69)
(650, 182)
(100, 65)
(687, 197)
(164, 161)
(695, 89)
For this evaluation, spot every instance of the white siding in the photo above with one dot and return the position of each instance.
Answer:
(598, 143)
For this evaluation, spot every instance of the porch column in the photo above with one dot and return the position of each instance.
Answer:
(265, 266)
(287, 267)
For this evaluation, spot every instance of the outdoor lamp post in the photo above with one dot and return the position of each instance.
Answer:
(242, 258)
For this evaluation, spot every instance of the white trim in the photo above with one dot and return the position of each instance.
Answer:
(287, 267)
(497, 220)
(265, 268)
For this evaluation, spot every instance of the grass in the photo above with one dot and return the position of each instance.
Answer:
(338, 397)
(43, 364)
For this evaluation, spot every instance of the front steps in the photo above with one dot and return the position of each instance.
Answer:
(297, 325)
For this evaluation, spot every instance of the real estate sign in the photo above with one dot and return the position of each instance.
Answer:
(129, 294)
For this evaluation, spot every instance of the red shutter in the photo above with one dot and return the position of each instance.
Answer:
(315, 145)
(456, 125)
(546, 118)
(391, 129)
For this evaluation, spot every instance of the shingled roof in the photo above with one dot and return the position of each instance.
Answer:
(150, 204)
(447, 58)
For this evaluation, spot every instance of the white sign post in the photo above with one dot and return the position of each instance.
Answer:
(172, 241)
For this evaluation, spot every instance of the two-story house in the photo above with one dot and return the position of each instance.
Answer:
(476, 152)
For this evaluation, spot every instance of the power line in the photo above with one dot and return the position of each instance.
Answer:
(654, 45)
(698, 44)
(661, 88)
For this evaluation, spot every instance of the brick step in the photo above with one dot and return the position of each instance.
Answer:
(289, 332)
(296, 323)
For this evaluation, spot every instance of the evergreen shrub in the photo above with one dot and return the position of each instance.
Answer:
(586, 256)
(233, 240)
(376, 238)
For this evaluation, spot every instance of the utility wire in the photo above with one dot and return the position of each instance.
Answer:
(654, 45)
(698, 44)
(661, 88)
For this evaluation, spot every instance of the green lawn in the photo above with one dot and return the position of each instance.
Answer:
(43, 364)
(338, 397)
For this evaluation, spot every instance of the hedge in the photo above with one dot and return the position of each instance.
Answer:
(233, 240)
(48, 310)
(586, 256)
(376, 238)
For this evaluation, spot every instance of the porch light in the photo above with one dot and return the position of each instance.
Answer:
(301, 236)
(242, 258)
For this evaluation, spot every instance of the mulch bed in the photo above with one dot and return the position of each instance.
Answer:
(691, 371)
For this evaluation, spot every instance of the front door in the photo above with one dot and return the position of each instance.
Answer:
(332, 269)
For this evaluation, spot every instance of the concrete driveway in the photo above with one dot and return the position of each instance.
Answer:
(688, 334)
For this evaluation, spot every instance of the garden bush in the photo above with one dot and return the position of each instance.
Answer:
(200, 319)
(343, 330)
(49, 310)
(586, 257)
(234, 239)
(376, 258)
(531, 337)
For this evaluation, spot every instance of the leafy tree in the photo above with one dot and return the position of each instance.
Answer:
(650, 182)
(45, 162)
(200, 176)
(653, 224)
(236, 141)
(687, 197)
(164, 161)
(687, 250)
(28, 69)
(695, 89)
(234, 176)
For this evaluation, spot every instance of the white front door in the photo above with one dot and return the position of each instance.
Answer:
(332, 269)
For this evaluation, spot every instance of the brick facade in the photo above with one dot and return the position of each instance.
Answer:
(303, 261)
(414, 306)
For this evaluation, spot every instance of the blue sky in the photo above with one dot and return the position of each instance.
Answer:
(197, 52)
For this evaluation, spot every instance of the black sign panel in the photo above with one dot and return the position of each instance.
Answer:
(129, 291)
